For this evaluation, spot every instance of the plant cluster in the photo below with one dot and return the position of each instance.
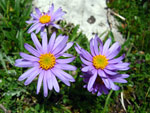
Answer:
(15, 36)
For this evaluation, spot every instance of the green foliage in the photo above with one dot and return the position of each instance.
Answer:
(137, 14)
(16, 97)
(136, 30)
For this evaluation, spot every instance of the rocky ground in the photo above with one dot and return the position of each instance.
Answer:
(93, 16)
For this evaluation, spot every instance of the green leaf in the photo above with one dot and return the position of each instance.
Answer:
(14, 93)
(19, 36)
(74, 33)
(2, 61)
(3, 5)
(147, 57)
(9, 59)
(145, 5)
(12, 72)
(17, 7)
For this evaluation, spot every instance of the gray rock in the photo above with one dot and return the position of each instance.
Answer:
(91, 15)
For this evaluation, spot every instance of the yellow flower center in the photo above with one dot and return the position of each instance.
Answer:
(99, 80)
(45, 19)
(47, 61)
(100, 61)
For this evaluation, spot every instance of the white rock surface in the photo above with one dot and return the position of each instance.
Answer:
(91, 15)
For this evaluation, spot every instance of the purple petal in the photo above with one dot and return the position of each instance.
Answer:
(40, 79)
(38, 12)
(32, 76)
(60, 46)
(85, 68)
(31, 21)
(124, 75)
(117, 60)
(100, 46)
(113, 54)
(122, 65)
(51, 9)
(28, 57)
(38, 30)
(27, 73)
(36, 42)
(64, 55)
(106, 46)
(123, 69)
(66, 67)
(45, 85)
(68, 46)
(113, 48)
(62, 78)
(57, 11)
(49, 80)
(92, 80)
(110, 72)
(99, 93)
(106, 82)
(100, 89)
(85, 61)
(44, 41)
(33, 27)
(101, 73)
(85, 86)
(105, 90)
(58, 14)
(86, 55)
(110, 67)
(113, 86)
(55, 83)
(51, 42)
(67, 55)
(66, 75)
(19, 60)
(59, 17)
(78, 48)
(31, 50)
(58, 41)
(96, 46)
(65, 60)
(119, 80)
(24, 64)
(56, 26)
(42, 28)
(92, 47)
(35, 17)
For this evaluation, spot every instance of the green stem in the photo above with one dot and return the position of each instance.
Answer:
(8, 3)
(107, 99)
(147, 92)
(128, 52)
(48, 34)
(72, 40)
(50, 93)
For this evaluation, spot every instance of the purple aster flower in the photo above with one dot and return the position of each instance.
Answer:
(40, 20)
(46, 63)
(102, 63)
(99, 87)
